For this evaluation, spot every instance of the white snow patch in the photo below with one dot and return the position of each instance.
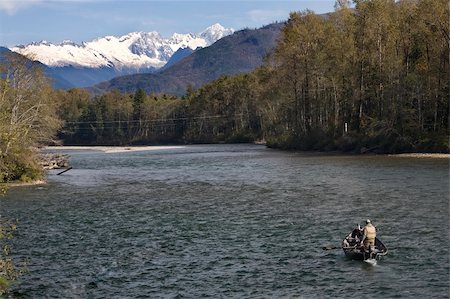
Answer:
(133, 50)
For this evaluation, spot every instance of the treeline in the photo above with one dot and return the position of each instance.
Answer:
(120, 118)
(223, 111)
(373, 78)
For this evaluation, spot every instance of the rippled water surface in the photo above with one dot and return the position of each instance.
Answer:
(228, 221)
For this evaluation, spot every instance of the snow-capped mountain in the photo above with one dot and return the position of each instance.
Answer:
(136, 50)
(214, 33)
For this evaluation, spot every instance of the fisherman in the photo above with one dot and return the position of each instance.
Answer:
(369, 234)
(354, 238)
(357, 232)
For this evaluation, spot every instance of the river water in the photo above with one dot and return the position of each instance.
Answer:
(231, 221)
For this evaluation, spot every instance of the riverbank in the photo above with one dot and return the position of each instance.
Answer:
(121, 149)
(23, 184)
(423, 155)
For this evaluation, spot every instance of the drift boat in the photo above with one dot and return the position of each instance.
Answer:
(352, 249)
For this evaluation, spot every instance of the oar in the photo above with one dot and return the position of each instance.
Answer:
(330, 247)
(67, 169)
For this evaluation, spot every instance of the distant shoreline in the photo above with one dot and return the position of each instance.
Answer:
(115, 149)
(422, 155)
(121, 149)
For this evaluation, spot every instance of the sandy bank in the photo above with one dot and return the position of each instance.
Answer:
(22, 184)
(423, 155)
(113, 149)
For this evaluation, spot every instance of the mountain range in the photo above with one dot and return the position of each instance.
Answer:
(240, 52)
(169, 66)
(107, 57)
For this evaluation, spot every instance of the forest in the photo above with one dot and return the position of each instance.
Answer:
(368, 78)
(371, 77)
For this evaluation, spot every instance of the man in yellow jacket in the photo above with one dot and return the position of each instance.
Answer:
(369, 234)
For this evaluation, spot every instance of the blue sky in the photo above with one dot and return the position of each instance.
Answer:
(25, 21)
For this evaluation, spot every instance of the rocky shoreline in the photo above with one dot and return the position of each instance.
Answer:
(54, 161)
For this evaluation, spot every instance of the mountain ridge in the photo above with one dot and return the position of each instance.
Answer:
(56, 80)
(241, 52)
(135, 50)
(89, 63)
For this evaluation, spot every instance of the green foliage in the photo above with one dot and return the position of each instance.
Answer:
(380, 69)
(117, 119)
(8, 271)
(20, 166)
(224, 111)
(138, 101)
(27, 118)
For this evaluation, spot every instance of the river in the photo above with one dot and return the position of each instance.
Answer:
(230, 221)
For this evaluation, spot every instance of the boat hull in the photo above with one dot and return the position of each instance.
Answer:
(358, 253)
